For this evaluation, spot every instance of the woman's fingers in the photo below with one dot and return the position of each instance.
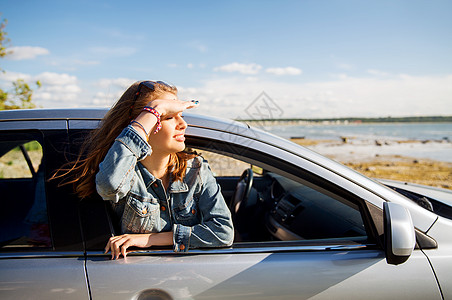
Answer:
(192, 104)
(118, 244)
(124, 248)
(171, 107)
(114, 245)
(110, 241)
(116, 251)
(107, 247)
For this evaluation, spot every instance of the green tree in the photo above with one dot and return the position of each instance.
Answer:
(3, 39)
(21, 94)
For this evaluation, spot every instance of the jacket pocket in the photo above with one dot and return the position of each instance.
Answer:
(187, 213)
(140, 215)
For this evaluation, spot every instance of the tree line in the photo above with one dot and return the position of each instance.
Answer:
(413, 119)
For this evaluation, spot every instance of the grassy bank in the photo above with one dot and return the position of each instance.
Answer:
(394, 167)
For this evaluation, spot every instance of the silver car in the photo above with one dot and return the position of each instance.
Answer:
(306, 226)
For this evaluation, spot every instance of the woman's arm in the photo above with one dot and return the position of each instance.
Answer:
(216, 229)
(118, 244)
(117, 171)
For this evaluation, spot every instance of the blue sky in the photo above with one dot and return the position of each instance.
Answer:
(312, 58)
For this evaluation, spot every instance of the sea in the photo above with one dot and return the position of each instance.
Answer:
(426, 140)
(363, 131)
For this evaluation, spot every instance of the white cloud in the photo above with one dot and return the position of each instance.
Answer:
(284, 71)
(9, 76)
(188, 66)
(400, 95)
(108, 83)
(57, 90)
(112, 51)
(340, 76)
(56, 79)
(85, 62)
(26, 52)
(109, 90)
(105, 99)
(249, 69)
(345, 66)
(344, 96)
(377, 72)
(199, 46)
(71, 64)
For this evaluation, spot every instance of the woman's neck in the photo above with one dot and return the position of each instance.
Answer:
(157, 165)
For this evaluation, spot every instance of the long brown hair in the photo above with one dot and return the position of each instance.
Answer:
(83, 170)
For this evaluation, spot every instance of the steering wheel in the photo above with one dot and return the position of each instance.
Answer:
(242, 191)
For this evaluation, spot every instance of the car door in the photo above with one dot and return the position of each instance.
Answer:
(317, 272)
(340, 265)
(41, 252)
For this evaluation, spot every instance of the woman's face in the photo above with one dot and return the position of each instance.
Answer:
(170, 138)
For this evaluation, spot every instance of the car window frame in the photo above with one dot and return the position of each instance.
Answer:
(242, 152)
(297, 174)
(249, 155)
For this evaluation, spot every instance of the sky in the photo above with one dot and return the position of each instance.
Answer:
(301, 59)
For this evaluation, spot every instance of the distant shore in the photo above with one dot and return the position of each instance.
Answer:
(377, 161)
(351, 120)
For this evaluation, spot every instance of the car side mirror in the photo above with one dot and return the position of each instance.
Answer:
(399, 235)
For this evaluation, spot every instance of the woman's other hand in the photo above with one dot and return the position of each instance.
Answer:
(173, 106)
(166, 106)
(118, 244)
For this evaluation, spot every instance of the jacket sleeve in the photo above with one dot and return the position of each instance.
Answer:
(216, 228)
(116, 172)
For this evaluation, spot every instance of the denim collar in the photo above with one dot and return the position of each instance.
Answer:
(175, 186)
(178, 187)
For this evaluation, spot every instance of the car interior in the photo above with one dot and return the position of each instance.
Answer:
(266, 206)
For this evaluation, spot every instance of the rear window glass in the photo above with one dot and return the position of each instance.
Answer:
(14, 163)
(23, 217)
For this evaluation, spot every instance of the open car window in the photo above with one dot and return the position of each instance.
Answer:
(23, 217)
(278, 208)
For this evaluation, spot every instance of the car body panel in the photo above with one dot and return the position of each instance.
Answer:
(442, 195)
(440, 257)
(29, 276)
(341, 274)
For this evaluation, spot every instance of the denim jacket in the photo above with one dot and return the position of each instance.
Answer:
(194, 209)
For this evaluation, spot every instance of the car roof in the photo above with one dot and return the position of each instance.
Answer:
(98, 113)
(52, 114)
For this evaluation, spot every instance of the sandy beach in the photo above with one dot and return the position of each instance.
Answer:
(397, 160)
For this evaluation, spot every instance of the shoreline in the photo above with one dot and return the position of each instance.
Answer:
(350, 120)
(392, 160)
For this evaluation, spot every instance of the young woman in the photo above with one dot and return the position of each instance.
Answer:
(162, 195)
